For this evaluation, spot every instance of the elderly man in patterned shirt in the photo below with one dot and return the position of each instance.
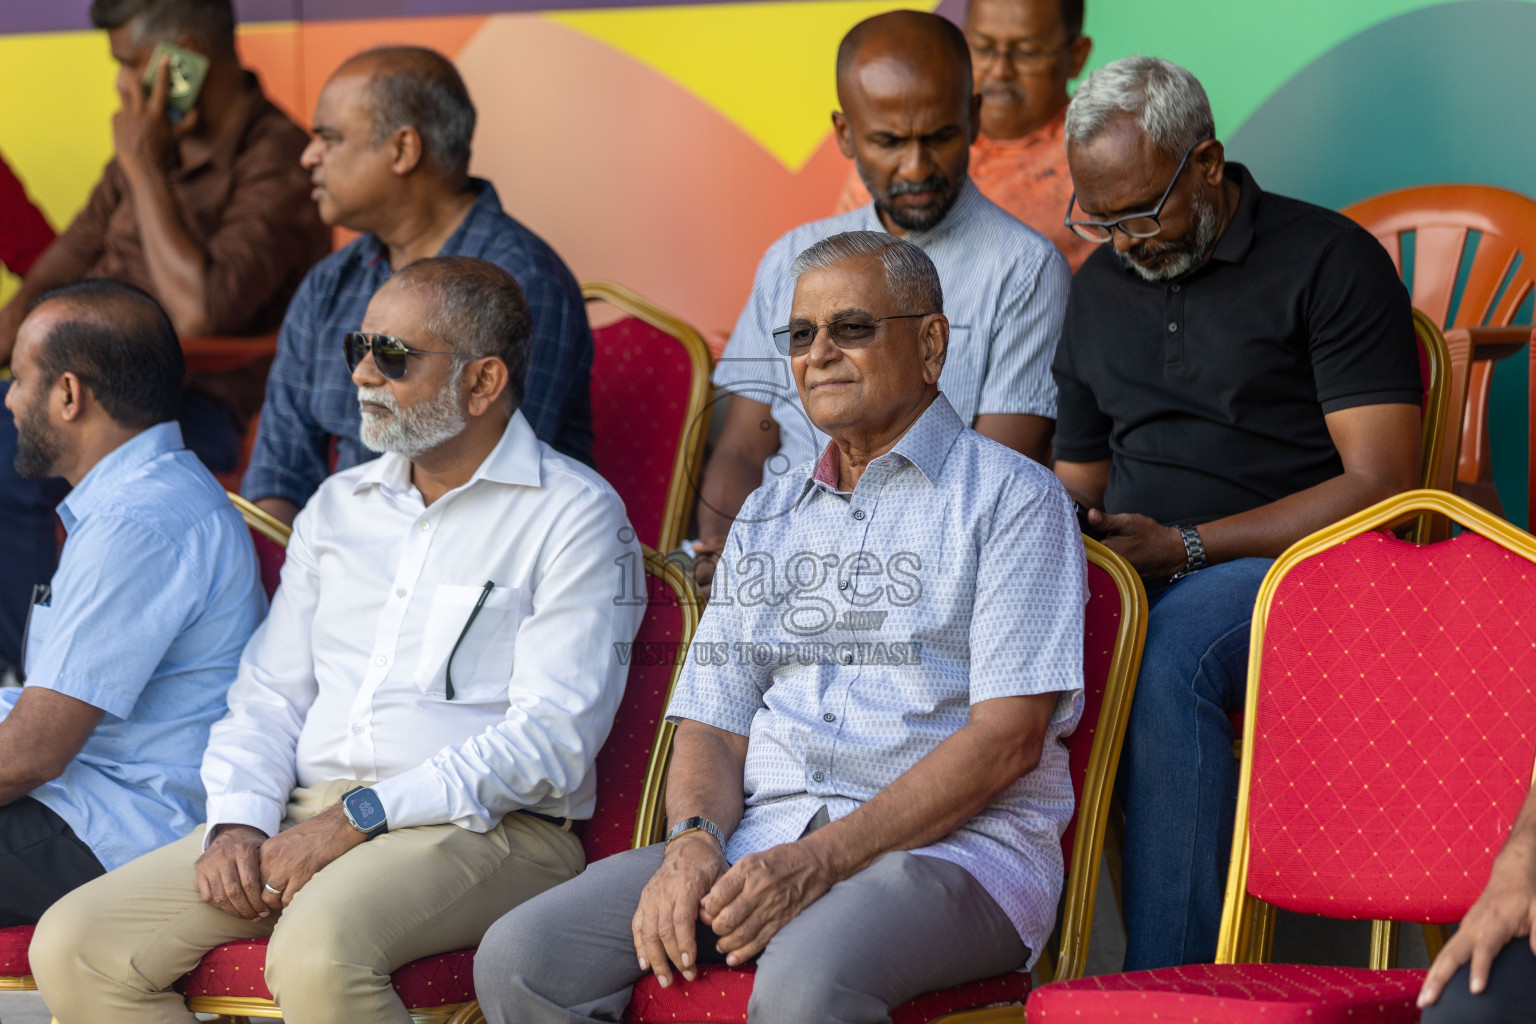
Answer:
(867, 785)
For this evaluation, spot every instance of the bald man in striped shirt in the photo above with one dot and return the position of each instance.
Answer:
(909, 117)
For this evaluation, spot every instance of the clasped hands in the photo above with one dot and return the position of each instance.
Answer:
(744, 904)
(241, 862)
(1154, 550)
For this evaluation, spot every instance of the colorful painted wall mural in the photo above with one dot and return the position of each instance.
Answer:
(666, 146)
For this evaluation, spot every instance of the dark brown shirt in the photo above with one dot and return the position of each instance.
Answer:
(247, 206)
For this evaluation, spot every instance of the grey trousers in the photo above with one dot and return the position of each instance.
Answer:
(905, 925)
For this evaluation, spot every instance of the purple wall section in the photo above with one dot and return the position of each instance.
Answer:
(17, 16)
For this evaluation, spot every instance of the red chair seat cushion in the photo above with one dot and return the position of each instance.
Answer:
(240, 968)
(13, 951)
(722, 993)
(1267, 993)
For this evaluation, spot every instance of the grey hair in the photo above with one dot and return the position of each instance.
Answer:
(477, 309)
(1167, 102)
(909, 273)
(414, 87)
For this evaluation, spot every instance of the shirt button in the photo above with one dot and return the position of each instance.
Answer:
(848, 659)
(1176, 287)
(400, 592)
(381, 660)
(1172, 329)
(858, 513)
(817, 776)
(425, 525)
(358, 729)
(829, 717)
(842, 585)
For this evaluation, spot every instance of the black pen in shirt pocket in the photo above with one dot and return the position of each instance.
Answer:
(42, 594)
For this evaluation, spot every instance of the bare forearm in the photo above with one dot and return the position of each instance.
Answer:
(177, 264)
(1266, 531)
(951, 785)
(705, 776)
(280, 509)
(729, 477)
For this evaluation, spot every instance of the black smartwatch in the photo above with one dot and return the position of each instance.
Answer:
(364, 812)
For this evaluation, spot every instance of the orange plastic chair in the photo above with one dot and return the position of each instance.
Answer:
(1115, 627)
(230, 983)
(1389, 742)
(650, 393)
(1500, 272)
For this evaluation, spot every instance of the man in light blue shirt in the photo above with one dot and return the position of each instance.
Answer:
(867, 787)
(130, 649)
(908, 120)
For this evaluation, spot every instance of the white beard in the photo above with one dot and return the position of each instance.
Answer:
(415, 431)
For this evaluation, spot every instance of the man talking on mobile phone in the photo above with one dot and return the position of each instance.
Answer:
(211, 216)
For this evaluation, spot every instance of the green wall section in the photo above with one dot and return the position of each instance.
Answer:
(1335, 100)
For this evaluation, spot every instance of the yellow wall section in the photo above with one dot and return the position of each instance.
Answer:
(765, 66)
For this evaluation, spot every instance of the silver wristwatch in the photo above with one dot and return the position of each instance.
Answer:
(696, 824)
(1194, 553)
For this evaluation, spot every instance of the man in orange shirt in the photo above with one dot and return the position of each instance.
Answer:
(1023, 54)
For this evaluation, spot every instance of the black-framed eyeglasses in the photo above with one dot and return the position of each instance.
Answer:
(485, 592)
(846, 332)
(389, 352)
(1135, 225)
(1023, 60)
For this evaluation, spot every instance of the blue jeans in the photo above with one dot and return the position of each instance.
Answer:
(1178, 772)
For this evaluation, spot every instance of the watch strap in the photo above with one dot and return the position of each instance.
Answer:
(1194, 552)
(697, 824)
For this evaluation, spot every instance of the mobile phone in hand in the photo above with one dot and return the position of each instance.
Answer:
(1083, 524)
(187, 70)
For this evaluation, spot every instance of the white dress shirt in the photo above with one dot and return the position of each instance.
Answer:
(346, 678)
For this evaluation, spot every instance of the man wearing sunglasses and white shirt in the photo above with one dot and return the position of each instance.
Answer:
(413, 729)
(1237, 370)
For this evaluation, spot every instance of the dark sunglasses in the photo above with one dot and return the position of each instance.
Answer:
(846, 332)
(389, 353)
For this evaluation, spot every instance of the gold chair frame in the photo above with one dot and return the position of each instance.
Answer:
(650, 818)
(1248, 923)
(262, 521)
(688, 460)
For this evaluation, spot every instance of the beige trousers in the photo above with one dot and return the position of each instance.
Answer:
(111, 950)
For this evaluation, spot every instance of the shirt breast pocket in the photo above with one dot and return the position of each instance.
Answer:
(481, 655)
(35, 639)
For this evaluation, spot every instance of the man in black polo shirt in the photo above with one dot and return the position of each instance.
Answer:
(1236, 370)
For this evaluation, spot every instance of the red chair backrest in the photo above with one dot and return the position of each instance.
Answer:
(269, 557)
(1395, 729)
(642, 379)
(1101, 625)
(623, 765)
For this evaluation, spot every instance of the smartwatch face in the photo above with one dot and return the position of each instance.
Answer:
(366, 809)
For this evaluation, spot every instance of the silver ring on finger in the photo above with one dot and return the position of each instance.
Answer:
(268, 886)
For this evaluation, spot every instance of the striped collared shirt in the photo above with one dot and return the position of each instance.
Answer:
(1005, 292)
(848, 635)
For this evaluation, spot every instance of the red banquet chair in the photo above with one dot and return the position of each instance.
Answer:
(650, 394)
(1115, 629)
(1389, 742)
(229, 982)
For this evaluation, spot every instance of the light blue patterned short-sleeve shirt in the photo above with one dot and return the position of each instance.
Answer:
(848, 634)
(1005, 293)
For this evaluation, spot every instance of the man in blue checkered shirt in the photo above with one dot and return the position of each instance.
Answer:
(390, 159)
